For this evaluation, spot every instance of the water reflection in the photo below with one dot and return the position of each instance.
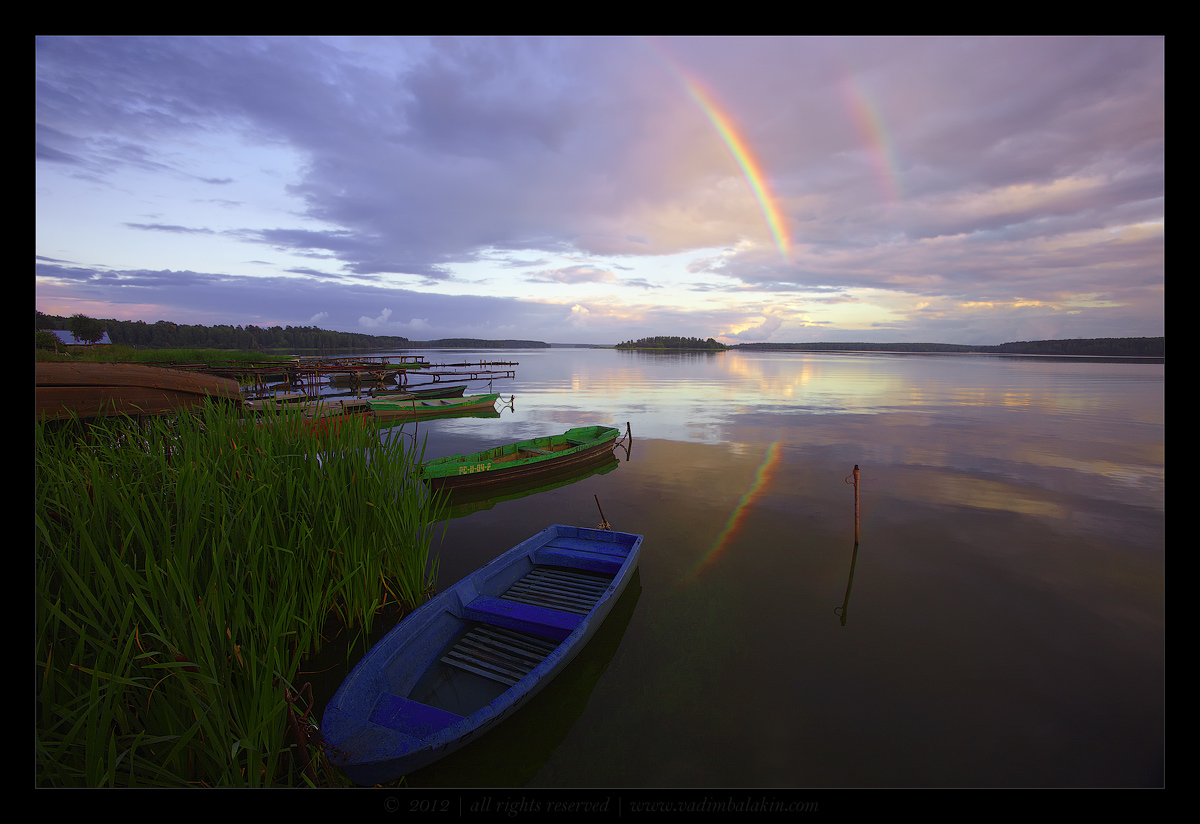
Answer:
(842, 611)
(761, 483)
(1008, 593)
(460, 502)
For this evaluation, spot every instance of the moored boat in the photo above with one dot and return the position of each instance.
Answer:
(472, 655)
(88, 390)
(432, 392)
(407, 406)
(521, 460)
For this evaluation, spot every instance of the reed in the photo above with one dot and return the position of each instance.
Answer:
(185, 566)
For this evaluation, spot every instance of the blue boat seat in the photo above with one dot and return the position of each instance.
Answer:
(580, 559)
(410, 717)
(536, 620)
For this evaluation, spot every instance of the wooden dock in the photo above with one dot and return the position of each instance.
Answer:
(86, 387)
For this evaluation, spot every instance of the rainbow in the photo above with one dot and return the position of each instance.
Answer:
(762, 478)
(874, 136)
(751, 168)
(740, 149)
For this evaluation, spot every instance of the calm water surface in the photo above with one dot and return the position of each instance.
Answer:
(1001, 622)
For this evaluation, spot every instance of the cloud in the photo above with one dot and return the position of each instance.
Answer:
(377, 322)
(763, 331)
(160, 227)
(573, 274)
(579, 315)
(957, 171)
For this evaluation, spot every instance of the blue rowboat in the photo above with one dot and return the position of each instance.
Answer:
(471, 656)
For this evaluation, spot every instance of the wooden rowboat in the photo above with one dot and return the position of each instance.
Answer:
(408, 407)
(471, 656)
(90, 390)
(522, 460)
(432, 392)
(325, 417)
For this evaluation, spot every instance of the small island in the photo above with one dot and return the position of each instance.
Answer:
(665, 342)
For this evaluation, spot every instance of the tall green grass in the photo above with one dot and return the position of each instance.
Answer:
(184, 568)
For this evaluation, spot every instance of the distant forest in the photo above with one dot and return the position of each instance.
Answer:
(475, 343)
(1139, 347)
(666, 342)
(167, 335)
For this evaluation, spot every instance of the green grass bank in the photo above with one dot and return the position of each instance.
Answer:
(185, 566)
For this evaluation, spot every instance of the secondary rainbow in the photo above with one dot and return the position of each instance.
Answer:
(874, 135)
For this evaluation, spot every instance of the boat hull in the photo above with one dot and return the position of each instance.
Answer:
(89, 390)
(426, 689)
(522, 461)
(463, 502)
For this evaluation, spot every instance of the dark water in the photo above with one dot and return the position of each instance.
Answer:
(1003, 626)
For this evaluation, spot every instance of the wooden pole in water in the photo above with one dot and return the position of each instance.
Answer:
(854, 474)
(856, 503)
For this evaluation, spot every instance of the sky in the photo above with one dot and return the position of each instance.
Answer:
(604, 189)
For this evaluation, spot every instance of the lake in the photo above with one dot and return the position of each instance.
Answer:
(1000, 623)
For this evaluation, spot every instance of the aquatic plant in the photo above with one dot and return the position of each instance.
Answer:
(185, 565)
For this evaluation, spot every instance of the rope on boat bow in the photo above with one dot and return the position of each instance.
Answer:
(301, 731)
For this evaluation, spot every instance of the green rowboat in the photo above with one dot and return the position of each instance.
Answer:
(522, 460)
(410, 407)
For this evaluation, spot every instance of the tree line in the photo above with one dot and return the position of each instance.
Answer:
(476, 343)
(1127, 347)
(164, 334)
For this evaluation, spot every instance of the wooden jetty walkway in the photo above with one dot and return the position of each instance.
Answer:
(309, 373)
